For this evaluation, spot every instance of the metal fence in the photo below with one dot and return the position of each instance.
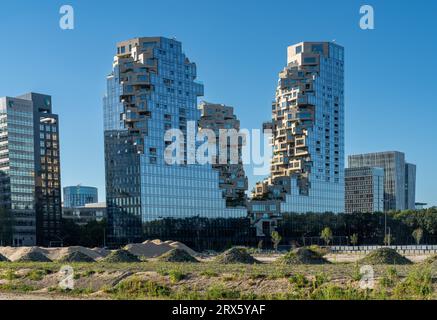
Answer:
(410, 249)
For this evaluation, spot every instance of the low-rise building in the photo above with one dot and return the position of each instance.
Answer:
(83, 215)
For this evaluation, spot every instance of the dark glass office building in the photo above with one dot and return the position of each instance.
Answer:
(151, 90)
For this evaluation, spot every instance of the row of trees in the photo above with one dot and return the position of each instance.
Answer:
(404, 227)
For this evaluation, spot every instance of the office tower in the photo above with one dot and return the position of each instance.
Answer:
(232, 179)
(307, 171)
(30, 169)
(364, 190)
(395, 168)
(79, 196)
(410, 186)
(151, 90)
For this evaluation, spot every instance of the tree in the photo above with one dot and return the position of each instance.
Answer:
(6, 227)
(417, 235)
(326, 235)
(260, 245)
(354, 239)
(276, 239)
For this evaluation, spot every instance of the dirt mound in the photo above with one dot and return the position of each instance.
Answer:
(33, 256)
(177, 255)
(121, 255)
(431, 260)
(302, 256)
(76, 256)
(156, 248)
(3, 258)
(384, 256)
(236, 255)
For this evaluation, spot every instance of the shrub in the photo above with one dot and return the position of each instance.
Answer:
(176, 276)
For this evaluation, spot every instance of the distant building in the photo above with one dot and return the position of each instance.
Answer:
(79, 196)
(399, 177)
(265, 215)
(83, 215)
(420, 205)
(364, 190)
(30, 168)
(410, 186)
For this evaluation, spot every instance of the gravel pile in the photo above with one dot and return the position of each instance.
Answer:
(177, 255)
(33, 256)
(302, 256)
(236, 255)
(76, 256)
(121, 255)
(385, 256)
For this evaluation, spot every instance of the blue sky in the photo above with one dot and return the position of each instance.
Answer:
(239, 48)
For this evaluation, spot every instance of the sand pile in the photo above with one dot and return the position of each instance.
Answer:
(121, 255)
(156, 248)
(59, 253)
(177, 255)
(302, 256)
(33, 256)
(15, 253)
(384, 256)
(76, 256)
(236, 255)
(3, 258)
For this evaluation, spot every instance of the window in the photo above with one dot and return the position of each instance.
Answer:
(298, 49)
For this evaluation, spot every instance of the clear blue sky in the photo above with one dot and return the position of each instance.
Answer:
(239, 48)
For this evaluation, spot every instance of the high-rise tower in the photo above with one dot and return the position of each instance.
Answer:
(152, 89)
(307, 171)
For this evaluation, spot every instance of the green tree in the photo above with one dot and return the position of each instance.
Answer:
(417, 235)
(326, 235)
(276, 239)
(354, 239)
(6, 227)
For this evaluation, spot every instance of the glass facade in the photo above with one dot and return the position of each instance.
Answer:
(30, 168)
(364, 190)
(395, 168)
(78, 196)
(307, 171)
(318, 73)
(17, 171)
(152, 89)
